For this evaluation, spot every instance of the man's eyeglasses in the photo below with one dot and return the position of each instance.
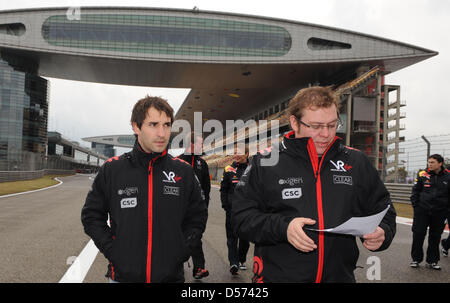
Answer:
(332, 126)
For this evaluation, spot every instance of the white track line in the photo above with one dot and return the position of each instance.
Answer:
(33, 191)
(402, 220)
(81, 265)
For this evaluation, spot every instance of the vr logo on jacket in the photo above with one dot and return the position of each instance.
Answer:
(128, 202)
(291, 193)
(171, 177)
(128, 191)
(339, 166)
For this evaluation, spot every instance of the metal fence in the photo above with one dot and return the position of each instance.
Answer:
(6, 176)
(400, 193)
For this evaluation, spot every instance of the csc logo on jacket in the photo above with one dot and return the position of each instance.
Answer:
(291, 193)
(128, 202)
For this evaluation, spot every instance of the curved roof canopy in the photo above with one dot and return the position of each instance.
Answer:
(223, 57)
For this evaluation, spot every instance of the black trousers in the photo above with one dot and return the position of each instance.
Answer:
(198, 257)
(423, 219)
(237, 248)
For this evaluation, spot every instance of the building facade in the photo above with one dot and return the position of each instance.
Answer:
(23, 116)
(63, 154)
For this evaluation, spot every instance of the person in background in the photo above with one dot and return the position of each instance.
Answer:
(430, 200)
(192, 156)
(237, 247)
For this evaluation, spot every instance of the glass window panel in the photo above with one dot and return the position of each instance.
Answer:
(168, 35)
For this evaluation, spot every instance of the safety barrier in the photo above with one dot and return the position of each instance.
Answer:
(6, 176)
(400, 193)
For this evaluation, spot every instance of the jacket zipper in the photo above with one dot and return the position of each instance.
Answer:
(316, 167)
(150, 222)
(150, 217)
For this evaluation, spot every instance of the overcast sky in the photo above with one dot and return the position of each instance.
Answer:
(81, 109)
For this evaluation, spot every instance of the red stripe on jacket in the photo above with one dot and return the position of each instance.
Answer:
(150, 217)
(316, 167)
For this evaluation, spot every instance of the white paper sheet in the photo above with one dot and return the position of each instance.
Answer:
(357, 226)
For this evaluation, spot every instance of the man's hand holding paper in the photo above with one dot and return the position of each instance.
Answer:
(374, 240)
(365, 227)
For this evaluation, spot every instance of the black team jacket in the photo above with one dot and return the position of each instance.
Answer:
(231, 175)
(431, 191)
(201, 171)
(342, 184)
(155, 210)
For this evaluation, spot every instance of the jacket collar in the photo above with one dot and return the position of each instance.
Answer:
(143, 157)
(441, 172)
(189, 158)
(305, 148)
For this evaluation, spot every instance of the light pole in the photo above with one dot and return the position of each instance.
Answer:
(428, 148)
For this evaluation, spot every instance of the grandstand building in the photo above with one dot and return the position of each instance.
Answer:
(237, 66)
(105, 144)
(69, 155)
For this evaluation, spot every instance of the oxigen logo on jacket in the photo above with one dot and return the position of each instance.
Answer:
(128, 191)
(291, 181)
